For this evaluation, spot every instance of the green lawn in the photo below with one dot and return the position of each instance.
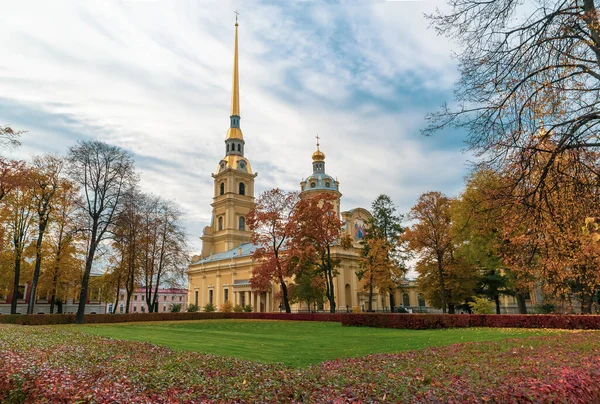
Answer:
(294, 343)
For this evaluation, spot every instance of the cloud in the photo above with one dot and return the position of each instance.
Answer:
(155, 78)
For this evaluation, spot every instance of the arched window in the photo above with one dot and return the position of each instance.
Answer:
(220, 223)
(242, 223)
(242, 188)
(222, 188)
(405, 300)
(421, 301)
(239, 147)
(227, 146)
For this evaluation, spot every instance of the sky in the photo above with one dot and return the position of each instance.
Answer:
(154, 77)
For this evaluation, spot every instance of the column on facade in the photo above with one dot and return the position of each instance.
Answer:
(251, 300)
(217, 291)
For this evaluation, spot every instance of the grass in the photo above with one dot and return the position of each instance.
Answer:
(293, 343)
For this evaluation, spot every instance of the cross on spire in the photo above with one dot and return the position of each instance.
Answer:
(237, 13)
(317, 141)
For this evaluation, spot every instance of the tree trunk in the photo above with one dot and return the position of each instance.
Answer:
(284, 294)
(370, 293)
(13, 303)
(38, 265)
(497, 300)
(451, 308)
(442, 287)
(86, 277)
(392, 301)
(521, 304)
(59, 307)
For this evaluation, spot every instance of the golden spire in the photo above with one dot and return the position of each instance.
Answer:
(318, 155)
(234, 131)
(235, 97)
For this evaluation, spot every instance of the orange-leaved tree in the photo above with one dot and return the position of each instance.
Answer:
(317, 229)
(377, 267)
(431, 237)
(271, 223)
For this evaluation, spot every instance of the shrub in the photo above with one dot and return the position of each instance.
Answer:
(430, 321)
(481, 305)
(192, 308)
(238, 309)
(209, 308)
(226, 307)
(248, 308)
(175, 308)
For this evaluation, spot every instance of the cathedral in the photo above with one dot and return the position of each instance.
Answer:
(223, 270)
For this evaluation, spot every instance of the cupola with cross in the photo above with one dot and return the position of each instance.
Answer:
(320, 181)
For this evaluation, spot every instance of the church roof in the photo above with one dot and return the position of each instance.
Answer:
(320, 182)
(246, 250)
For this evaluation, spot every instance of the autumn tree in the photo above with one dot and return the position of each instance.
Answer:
(431, 235)
(377, 269)
(478, 217)
(104, 173)
(555, 252)
(64, 247)
(9, 137)
(46, 180)
(11, 174)
(387, 225)
(460, 281)
(127, 240)
(524, 67)
(317, 229)
(270, 221)
(19, 212)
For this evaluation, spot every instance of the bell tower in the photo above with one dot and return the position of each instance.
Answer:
(233, 183)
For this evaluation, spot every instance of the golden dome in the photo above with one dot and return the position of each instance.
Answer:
(318, 155)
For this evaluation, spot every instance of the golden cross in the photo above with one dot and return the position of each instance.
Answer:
(236, 15)
(317, 140)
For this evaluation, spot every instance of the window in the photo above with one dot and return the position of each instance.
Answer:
(242, 299)
(164, 307)
(222, 188)
(196, 298)
(327, 184)
(227, 146)
(239, 147)
(313, 184)
(164, 298)
(220, 225)
(121, 309)
(134, 297)
(210, 296)
(226, 296)
(421, 301)
(143, 309)
(180, 298)
(134, 307)
(172, 298)
(242, 223)
(122, 297)
(242, 188)
(405, 300)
